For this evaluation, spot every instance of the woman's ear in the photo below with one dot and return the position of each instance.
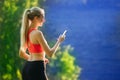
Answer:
(35, 18)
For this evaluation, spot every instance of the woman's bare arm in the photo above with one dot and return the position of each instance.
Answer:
(22, 53)
(49, 51)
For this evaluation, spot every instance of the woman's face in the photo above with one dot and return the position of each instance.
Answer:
(39, 21)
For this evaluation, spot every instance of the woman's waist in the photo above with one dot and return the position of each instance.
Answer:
(36, 56)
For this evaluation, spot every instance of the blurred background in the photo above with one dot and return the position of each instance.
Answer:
(91, 50)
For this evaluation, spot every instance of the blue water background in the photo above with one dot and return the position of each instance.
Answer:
(93, 31)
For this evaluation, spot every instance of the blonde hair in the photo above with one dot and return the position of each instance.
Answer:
(29, 15)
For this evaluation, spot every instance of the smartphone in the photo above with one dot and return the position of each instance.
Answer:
(64, 32)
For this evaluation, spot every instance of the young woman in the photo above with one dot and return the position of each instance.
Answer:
(33, 40)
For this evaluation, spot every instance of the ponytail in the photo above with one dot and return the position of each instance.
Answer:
(29, 14)
(24, 28)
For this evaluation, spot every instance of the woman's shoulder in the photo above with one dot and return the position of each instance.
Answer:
(37, 33)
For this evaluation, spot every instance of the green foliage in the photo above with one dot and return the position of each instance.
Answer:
(62, 66)
(10, 18)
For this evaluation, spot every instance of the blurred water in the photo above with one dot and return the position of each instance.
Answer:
(93, 31)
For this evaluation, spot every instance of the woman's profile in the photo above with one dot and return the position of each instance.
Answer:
(33, 40)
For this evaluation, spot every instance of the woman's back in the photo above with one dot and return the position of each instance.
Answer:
(35, 49)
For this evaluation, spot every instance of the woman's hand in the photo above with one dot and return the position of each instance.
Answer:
(46, 60)
(61, 38)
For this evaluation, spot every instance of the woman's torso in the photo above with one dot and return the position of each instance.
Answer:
(36, 56)
(40, 54)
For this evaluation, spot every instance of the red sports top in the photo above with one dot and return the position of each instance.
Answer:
(33, 48)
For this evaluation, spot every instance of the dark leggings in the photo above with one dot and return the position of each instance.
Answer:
(34, 70)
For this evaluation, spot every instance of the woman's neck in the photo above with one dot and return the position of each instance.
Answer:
(32, 25)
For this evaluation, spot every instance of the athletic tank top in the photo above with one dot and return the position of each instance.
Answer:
(33, 48)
